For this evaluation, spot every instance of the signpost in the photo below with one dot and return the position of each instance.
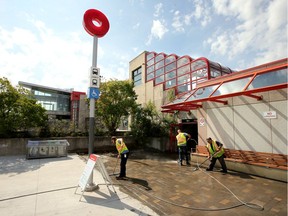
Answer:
(88, 171)
(91, 17)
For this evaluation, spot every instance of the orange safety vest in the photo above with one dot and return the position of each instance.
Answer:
(212, 151)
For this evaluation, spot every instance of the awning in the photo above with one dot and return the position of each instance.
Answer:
(245, 83)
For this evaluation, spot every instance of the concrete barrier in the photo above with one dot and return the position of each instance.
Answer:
(18, 146)
(266, 172)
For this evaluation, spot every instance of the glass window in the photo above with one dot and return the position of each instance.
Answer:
(170, 83)
(150, 62)
(269, 79)
(170, 75)
(40, 93)
(232, 86)
(215, 65)
(169, 59)
(159, 80)
(171, 66)
(183, 88)
(53, 101)
(150, 69)
(181, 98)
(159, 57)
(182, 61)
(150, 55)
(150, 76)
(199, 73)
(183, 79)
(226, 70)
(215, 72)
(198, 64)
(159, 71)
(159, 64)
(194, 85)
(49, 106)
(203, 92)
(137, 76)
(183, 70)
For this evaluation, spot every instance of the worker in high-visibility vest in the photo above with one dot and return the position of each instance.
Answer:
(123, 153)
(182, 146)
(216, 152)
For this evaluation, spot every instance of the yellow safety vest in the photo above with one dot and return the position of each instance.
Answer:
(121, 147)
(215, 146)
(181, 139)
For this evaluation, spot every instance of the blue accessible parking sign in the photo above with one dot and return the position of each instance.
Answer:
(93, 93)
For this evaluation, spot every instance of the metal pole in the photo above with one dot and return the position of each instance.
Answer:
(92, 117)
(92, 101)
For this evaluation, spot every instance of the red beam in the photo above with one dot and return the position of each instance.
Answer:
(218, 101)
(254, 96)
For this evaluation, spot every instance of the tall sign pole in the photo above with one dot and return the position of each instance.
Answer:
(92, 16)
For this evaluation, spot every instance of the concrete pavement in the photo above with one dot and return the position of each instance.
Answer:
(156, 185)
(40, 187)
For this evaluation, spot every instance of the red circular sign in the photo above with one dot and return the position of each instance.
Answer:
(97, 16)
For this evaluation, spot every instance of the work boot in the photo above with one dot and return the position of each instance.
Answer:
(121, 177)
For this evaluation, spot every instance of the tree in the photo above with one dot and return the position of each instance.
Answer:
(18, 110)
(147, 122)
(117, 99)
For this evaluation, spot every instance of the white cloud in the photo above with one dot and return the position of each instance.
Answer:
(136, 26)
(158, 9)
(220, 44)
(157, 31)
(177, 24)
(41, 57)
(179, 21)
(187, 19)
(202, 12)
(260, 28)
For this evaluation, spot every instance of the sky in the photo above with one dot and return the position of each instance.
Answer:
(44, 42)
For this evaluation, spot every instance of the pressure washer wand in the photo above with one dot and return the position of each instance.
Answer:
(209, 158)
(115, 166)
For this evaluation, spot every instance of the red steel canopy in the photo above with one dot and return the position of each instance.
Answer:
(267, 77)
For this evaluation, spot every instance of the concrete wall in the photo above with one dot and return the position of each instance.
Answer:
(17, 146)
(147, 91)
(276, 174)
(159, 143)
(241, 124)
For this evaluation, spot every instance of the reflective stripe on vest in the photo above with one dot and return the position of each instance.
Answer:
(121, 147)
(215, 146)
(181, 139)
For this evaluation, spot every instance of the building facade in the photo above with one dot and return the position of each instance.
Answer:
(61, 104)
(246, 110)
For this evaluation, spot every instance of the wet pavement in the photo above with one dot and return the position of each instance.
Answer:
(156, 185)
(159, 182)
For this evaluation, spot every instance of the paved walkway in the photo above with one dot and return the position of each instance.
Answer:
(44, 187)
(156, 185)
(169, 189)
